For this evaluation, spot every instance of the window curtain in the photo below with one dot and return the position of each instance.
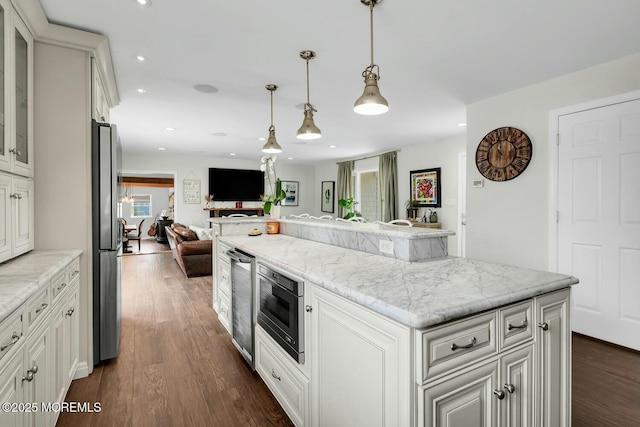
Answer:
(388, 170)
(345, 183)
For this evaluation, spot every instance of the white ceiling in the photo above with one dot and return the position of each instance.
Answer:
(435, 57)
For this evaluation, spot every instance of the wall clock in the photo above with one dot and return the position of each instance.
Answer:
(503, 154)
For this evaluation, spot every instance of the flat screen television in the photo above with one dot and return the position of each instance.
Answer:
(236, 185)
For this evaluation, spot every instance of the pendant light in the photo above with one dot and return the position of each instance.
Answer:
(271, 146)
(371, 102)
(308, 130)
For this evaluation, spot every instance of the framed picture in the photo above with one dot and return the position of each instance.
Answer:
(327, 190)
(426, 188)
(191, 190)
(291, 190)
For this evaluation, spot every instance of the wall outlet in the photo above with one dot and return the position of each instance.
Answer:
(385, 246)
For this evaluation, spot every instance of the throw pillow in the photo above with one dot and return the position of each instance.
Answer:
(202, 233)
(186, 233)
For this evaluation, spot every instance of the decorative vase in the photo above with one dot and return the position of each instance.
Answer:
(275, 212)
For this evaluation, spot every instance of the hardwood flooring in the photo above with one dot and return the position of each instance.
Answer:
(606, 384)
(148, 246)
(177, 365)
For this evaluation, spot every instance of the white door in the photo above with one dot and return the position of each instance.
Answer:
(462, 204)
(599, 219)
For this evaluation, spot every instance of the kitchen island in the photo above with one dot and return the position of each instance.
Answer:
(438, 342)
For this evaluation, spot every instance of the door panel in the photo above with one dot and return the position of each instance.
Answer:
(599, 219)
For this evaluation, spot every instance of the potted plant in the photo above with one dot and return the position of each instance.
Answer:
(412, 209)
(271, 202)
(349, 206)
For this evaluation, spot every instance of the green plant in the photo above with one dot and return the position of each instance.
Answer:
(274, 199)
(349, 206)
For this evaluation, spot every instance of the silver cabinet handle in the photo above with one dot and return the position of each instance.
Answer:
(15, 151)
(544, 326)
(30, 373)
(522, 325)
(14, 339)
(308, 308)
(273, 374)
(70, 311)
(62, 286)
(42, 307)
(510, 388)
(499, 394)
(472, 342)
(16, 196)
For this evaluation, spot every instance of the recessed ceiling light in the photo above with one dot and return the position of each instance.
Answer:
(204, 88)
(289, 158)
(140, 58)
(262, 139)
(332, 146)
(140, 90)
(232, 154)
(144, 2)
(219, 134)
(170, 129)
(161, 148)
(461, 125)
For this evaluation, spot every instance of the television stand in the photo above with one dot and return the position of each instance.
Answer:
(220, 212)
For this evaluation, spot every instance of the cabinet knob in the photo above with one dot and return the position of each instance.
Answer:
(70, 311)
(510, 388)
(16, 196)
(308, 308)
(15, 151)
(544, 326)
(499, 394)
(30, 373)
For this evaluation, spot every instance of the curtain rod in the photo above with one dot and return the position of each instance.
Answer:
(369, 157)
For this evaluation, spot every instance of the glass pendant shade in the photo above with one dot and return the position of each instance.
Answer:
(272, 146)
(371, 102)
(308, 130)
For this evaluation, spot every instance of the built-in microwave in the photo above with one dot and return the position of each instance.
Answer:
(280, 310)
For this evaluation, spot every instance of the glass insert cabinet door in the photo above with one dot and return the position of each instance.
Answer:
(3, 17)
(22, 98)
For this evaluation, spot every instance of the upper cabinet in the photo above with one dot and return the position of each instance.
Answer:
(99, 102)
(16, 92)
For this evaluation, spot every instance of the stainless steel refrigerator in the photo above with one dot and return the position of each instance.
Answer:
(107, 240)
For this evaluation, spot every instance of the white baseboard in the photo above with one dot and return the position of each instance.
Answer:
(82, 371)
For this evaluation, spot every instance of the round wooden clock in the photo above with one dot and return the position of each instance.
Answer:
(503, 154)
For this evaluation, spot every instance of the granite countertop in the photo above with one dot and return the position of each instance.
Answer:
(417, 294)
(388, 230)
(24, 276)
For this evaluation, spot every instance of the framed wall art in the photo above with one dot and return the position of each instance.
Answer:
(191, 191)
(426, 187)
(290, 188)
(327, 191)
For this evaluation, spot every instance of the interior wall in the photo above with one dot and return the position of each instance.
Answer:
(507, 222)
(159, 202)
(441, 154)
(197, 167)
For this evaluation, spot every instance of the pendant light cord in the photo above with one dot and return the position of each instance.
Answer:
(308, 103)
(271, 127)
(371, 28)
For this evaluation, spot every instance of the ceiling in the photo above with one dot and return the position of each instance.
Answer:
(435, 57)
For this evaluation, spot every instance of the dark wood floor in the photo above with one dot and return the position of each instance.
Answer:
(177, 365)
(606, 384)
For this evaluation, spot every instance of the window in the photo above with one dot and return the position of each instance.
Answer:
(141, 206)
(367, 194)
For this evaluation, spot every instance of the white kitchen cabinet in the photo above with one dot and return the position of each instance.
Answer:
(37, 375)
(99, 104)
(16, 111)
(223, 281)
(16, 215)
(11, 389)
(360, 365)
(553, 360)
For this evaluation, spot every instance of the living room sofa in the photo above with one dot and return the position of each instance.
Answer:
(192, 254)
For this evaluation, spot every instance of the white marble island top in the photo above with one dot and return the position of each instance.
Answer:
(22, 277)
(416, 294)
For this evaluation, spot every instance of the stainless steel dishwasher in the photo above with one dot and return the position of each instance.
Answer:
(243, 304)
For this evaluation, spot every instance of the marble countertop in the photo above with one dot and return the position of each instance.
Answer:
(249, 219)
(417, 294)
(24, 276)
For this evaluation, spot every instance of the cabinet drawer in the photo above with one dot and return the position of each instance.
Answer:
(224, 315)
(11, 333)
(453, 345)
(515, 324)
(38, 308)
(290, 390)
(59, 284)
(73, 270)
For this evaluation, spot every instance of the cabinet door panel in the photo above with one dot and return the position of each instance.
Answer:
(466, 400)
(5, 217)
(23, 215)
(516, 375)
(23, 99)
(38, 389)
(11, 391)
